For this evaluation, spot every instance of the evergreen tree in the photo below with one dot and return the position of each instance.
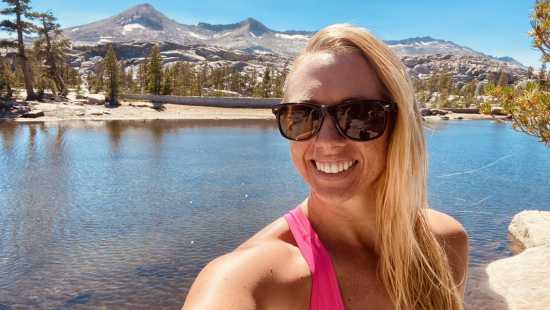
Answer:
(266, 83)
(50, 49)
(529, 73)
(503, 80)
(167, 88)
(112, 75)
(122, 75)
(155, 72)
(42, 78)
(6, 78)
(433, 80)
(278, 89)
(20, 9)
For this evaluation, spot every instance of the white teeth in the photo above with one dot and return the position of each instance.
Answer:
(334, 168)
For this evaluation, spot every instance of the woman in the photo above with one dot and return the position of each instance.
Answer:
(364, 238)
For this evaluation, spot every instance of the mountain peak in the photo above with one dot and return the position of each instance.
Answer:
(143, 14)
(253, 25)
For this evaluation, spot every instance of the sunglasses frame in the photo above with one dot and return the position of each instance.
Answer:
(323, 110)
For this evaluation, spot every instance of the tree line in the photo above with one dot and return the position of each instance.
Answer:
(113, 76)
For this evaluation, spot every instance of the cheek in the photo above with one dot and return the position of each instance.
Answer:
(375, 157)
(298, 152)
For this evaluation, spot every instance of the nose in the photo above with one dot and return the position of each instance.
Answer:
(328, 136)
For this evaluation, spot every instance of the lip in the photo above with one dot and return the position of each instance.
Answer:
(331, 176)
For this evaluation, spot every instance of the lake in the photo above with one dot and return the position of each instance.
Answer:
(125, 214)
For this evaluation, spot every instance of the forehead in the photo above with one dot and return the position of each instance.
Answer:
(331, 78)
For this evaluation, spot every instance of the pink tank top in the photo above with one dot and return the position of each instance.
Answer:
(325, 293)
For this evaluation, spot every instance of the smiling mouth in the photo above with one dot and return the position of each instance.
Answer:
(335, 167)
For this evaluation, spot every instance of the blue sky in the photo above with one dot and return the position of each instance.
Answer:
(489, 26)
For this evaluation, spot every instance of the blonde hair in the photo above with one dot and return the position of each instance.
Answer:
(412, 265)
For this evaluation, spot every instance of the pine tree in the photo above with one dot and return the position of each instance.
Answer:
(503, 80)
(167, 87)
(155, 72)
(122, 75)
(6, 78)
(529, 73)
(266, 83)
(20, 9)
(112, 75)
(433, 79)
(278, 89)
(50, 49)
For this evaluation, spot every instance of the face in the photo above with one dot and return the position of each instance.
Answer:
(328, 79)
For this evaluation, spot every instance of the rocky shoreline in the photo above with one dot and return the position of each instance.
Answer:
(524, 279)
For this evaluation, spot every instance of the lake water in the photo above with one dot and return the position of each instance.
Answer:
(123, 215)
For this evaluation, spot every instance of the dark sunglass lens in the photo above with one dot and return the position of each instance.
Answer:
(298, 122)
(361, 120)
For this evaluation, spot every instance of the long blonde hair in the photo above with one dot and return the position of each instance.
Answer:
(412, 266)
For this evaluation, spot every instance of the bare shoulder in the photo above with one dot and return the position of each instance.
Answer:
(454, 239)
(445, 226)
(260, 272)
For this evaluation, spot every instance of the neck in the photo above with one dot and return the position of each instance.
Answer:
(348, 223)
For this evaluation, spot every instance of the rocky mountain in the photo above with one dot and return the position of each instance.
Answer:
(143, 23)
(430, 46)
(463, 68)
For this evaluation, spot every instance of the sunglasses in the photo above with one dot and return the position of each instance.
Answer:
(360, 120)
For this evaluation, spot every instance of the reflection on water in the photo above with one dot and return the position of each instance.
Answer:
(126, 213)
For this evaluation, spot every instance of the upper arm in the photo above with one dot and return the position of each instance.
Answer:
(222, 284)
(454, 239)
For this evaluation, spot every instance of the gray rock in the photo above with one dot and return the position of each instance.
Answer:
(424, 69)
(523, 280)
(33, 114)
(143, 105)
(426, 112)
(96, 99)
(531, 228)
(410, 62)
(79, 113)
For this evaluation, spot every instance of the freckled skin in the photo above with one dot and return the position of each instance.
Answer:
(328, 79)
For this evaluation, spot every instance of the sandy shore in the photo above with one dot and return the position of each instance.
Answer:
(128, 110)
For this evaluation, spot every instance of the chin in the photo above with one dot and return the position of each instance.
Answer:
(332, 195)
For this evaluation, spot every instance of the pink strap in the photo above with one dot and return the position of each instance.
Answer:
(325, 293)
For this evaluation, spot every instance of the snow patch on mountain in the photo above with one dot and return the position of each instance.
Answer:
(292, 37)
(131, 27)
(198, 36)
